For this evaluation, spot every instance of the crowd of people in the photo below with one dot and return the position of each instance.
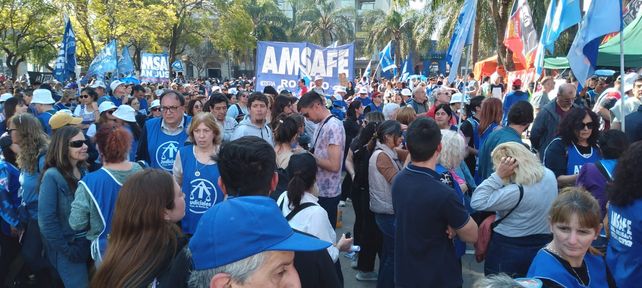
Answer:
(211, 183)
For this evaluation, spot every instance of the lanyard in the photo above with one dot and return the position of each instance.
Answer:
(320, 129)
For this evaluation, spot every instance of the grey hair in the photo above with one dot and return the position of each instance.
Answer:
(497, 281)
(239, 271)
(389, 110)
(453, 149)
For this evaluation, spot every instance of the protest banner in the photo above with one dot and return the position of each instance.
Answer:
(154, 67)
(280, 64)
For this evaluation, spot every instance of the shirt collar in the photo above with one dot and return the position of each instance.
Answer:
(180, 125)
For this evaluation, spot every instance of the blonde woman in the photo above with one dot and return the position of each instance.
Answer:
(523, 185)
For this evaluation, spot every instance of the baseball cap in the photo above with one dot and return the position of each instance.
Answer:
(318, 77)
(63, 118)
(71, 85)
(4, 97)
(42, 96)
(457, 98)
(629, 81)
(155, 103)
(232, 91)
(216, 89)
(97, 84)
(517, 82)
(244, 226)
(406, 92)
(114, 84)
(125, 113)
(105, 106)
(363, 90)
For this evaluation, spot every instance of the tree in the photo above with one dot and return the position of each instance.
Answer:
(25, 28)
(395, 27)
(324, 24)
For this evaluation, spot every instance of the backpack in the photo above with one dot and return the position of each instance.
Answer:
(282, 185)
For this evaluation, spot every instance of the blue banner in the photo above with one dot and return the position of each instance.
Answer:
(154, 67)
(284, 63)
(177, 66)
(126, 65)
(105, 61)
(465, 21)
(66, 62)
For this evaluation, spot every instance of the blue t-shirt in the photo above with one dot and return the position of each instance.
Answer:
(509, 100)
(44, 120)
(424, 208)
(624, 252)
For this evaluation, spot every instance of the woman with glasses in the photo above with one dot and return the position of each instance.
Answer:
(239, 109)
(376, 105)
(194, 107)
(575, 146)
(97, 191)
(27, 134)
(66, 249)
(88, 108)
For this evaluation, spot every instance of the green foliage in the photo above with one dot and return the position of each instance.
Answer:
(321, 23)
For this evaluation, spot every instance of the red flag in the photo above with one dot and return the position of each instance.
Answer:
(521, 36)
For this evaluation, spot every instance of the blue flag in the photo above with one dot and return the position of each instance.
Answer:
(367, 72)
(598, 21)
(407, 68)
(66, 61)
(104, 62)
(461, 36)
(386, 58)
(177, 66)
(561, 15)
(125, 64)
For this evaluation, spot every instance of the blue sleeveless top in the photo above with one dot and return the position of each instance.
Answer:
(201, 192)
(103, 188)
(162, 148)
(546, 266)
(576, 160)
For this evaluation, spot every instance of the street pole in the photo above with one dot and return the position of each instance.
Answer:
(622, 74)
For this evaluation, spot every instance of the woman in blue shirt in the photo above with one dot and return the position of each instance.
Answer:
(67, 250)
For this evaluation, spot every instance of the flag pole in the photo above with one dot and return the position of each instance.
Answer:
(622, 70)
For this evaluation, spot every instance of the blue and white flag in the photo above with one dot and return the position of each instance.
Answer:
(386, 58)
(366, 73)
(599, 20)
(461, 36)
(125, 64)
(66, 61)
(407, 68)
(154, 68)
(105, 61)
(177, 66)
(561, 15)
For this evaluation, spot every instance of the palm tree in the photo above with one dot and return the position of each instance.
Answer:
(395, 27)
(322, 23)
(270, 24)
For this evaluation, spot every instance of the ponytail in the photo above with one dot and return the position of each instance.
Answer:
(296, 188)
(302, 169)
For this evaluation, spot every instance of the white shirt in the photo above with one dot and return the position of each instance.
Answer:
(312, 220)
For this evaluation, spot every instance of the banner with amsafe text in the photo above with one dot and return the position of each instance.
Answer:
(282, 64)
(154, 67)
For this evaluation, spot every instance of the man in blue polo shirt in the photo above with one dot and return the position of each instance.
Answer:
(428, 215)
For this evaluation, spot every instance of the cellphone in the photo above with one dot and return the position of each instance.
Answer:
(348, 235)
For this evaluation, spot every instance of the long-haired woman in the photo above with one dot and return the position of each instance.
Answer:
(569, 260)
(97, 191)
(196, 171)
(285, 136)
(26, 132)
(520, 184)
(194, 107)
(88, 108)
(146, 247)
(490, 119)
(625, 204)
(67, 250)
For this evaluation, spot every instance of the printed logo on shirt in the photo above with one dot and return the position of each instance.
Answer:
(202, 196)
(166, 154)
(576, 169)
(621, 229)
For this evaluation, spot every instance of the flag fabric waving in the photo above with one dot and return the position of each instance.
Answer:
(407, 68)
(465, 22)
(125, 64)
(521, 36)
(366, 73)
(66, 61)
(386, 58)
(600, 19)
(104, 62)
(561, 15)
(177, 66)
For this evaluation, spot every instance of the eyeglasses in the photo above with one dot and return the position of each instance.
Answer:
(155, 109)
(83, 96)
(77, 143)
(110, 111)
(173, 109)
(581, 126)
(11, 130)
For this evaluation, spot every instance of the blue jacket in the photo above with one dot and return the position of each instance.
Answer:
(495, 138)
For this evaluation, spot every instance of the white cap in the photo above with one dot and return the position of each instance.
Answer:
(406, 92)
(105, 106)
(629, 81)
(318, 77)
(42, 96)
(457, 98)
(155, 103)
(232, 91)
(159, 92)
(339, 89)
(97, 84)
(114, 84)
(363, 90)
(216, 89)
(125, 113)
(4, 97)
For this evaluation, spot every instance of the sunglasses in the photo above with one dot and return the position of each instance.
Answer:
(581, 126)
(77, 143)
(155, 109)
(83, 96)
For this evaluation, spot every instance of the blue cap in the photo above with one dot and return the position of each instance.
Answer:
(244, 226)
